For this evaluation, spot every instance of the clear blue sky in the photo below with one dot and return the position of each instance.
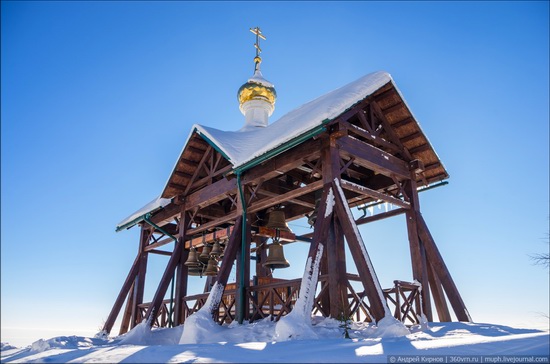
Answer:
(99, 97)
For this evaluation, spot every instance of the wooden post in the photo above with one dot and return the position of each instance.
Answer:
(434, 257)
(341, 269)
(230, 253)
(121, 296)
(242, 308)
(323, 270)
(378, 305)
(181, 270)
(439, 296)
(167, 276)
(418, 259)
(127, 315)
(261, 256)
(139, 284)
(332, 265)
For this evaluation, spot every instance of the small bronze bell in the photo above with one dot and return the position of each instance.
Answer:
(276, 257)
(277, 221)
(192, 259)
(195, 271)
(205, 254)
(216, 249)
(211, 268)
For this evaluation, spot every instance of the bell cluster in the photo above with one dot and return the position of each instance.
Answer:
(205, 263)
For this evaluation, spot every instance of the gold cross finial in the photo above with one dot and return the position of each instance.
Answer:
(257, 59)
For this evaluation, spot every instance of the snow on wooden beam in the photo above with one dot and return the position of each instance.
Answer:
(379, 308)
(350, 186)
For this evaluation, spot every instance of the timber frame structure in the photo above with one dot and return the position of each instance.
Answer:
(372, 151)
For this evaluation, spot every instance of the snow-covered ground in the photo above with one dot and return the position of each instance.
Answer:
(258, 342)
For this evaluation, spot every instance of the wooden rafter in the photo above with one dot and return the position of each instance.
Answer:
(198, 169)
(373, 158)
(389, 130)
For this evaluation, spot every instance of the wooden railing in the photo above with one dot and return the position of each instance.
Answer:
(276, 297)
(164, 318)
(273, 298)
(405, 297)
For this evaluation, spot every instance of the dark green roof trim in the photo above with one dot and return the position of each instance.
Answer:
(283, 147)
(212, 144)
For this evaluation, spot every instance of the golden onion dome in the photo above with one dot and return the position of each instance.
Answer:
(257, 88)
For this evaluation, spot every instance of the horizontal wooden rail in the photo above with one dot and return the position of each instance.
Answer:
(277, 298)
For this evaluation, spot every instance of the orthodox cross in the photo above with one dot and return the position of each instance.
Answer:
(258, 32)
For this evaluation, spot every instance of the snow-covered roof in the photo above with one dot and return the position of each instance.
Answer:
(154, 205)
(241, 147)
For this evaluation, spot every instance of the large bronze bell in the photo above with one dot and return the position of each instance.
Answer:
(211, 268)
(276, 257)
(192, 259)
(205, 254)
(277, 221)
(216, 249)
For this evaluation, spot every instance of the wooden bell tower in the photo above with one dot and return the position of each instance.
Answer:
(356, 145)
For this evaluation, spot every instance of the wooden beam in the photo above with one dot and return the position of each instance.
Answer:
(440, 268)
(291, 195)
(350, 186)
(320, 229)
(181, 270)
(160, 252)
(420, 148)
(410, 137)
(139, 285)
(384, 95)
(210, 194)
(336, 266)
(218, 190)
(197, 150)
(230, 252)
(177, 186)
(158, 244)
(183, 174)
(372, 138)
(167, 276)
(394, 108)
(242, 307)
(122, 295)
(390, 130)
(439, 296)
(198, 168)
(293, 200)
(368, 219)
(230, 217)
(189, 162)
(418, 255)
(207, 179)
(373, 158)
(403, 122)
(426, 294)
(286, 161)
(380, 216)
(378, 306)
(127, 315)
